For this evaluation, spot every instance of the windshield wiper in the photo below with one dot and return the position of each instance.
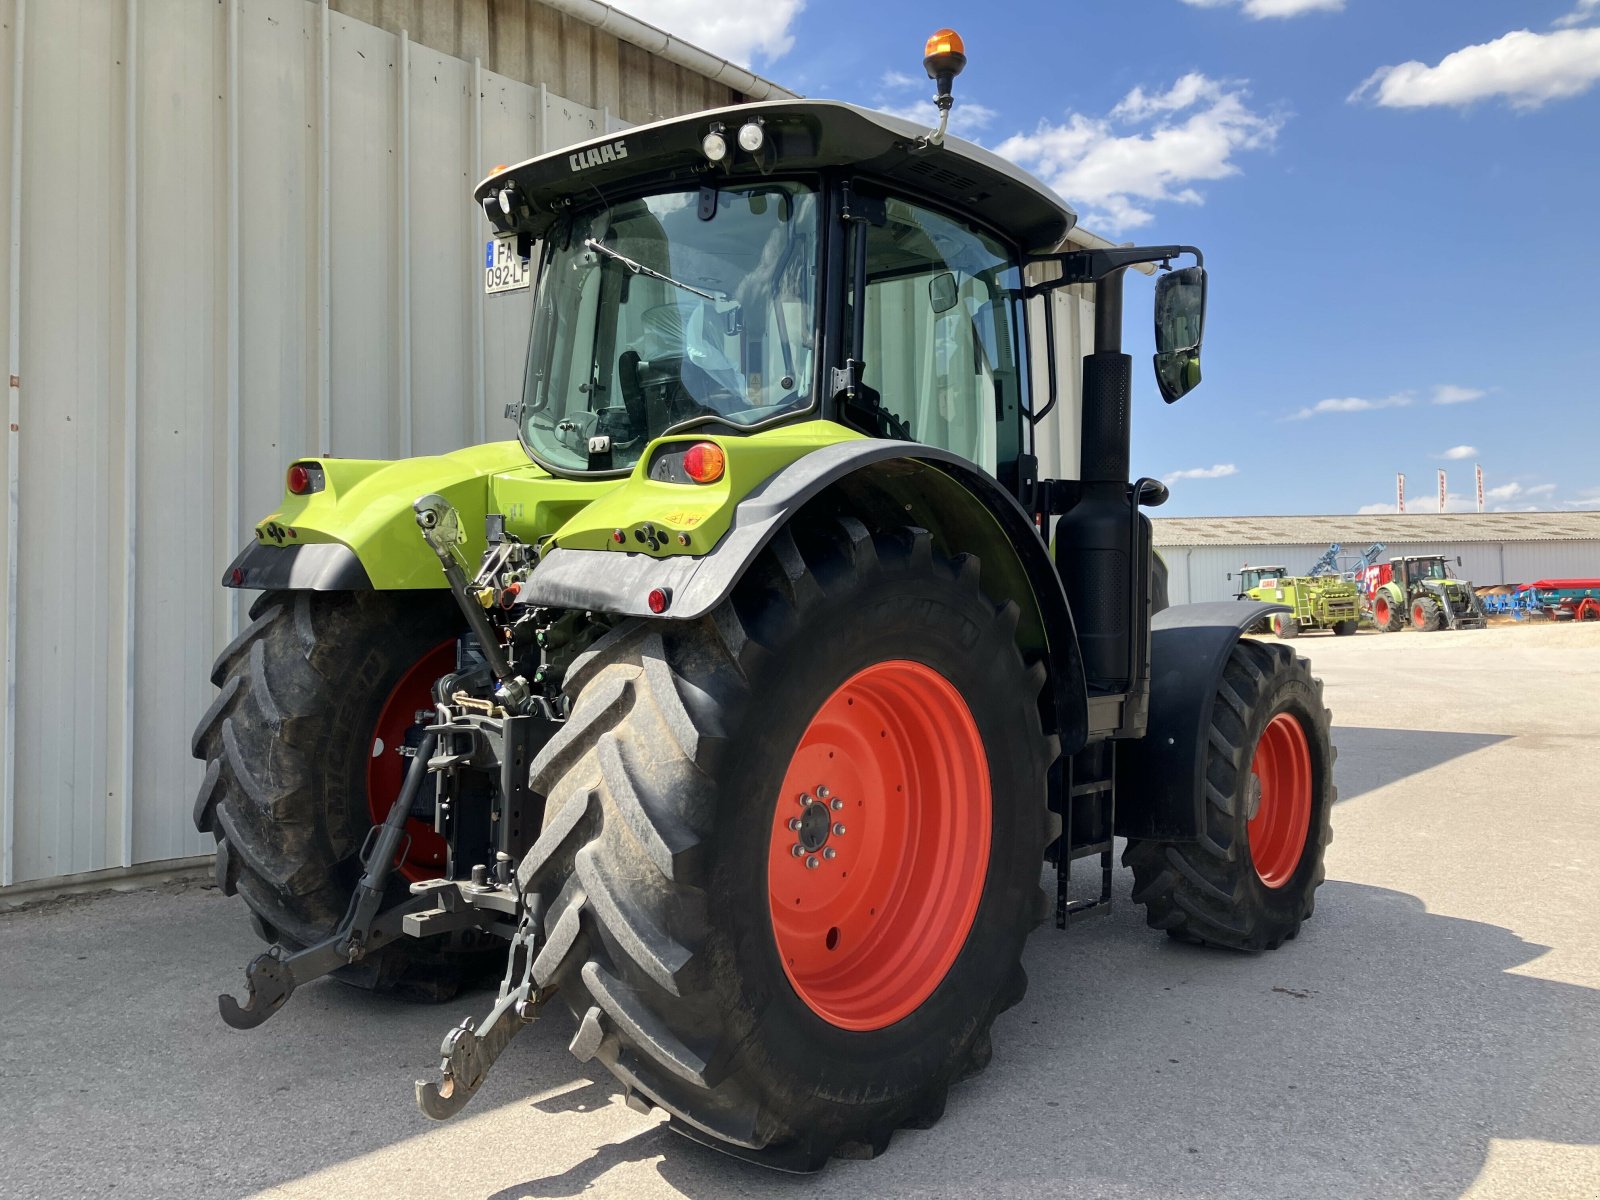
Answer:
(639, 268)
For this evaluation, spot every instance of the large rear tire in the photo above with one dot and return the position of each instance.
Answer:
(1387, 616)
(290, 745)
(1250, 879)
(1286, 627)
(698, 754)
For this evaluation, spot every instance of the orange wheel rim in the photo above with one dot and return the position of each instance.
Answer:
(1381, 611)
(1281, 773)
(880, 845)
(425, 852)
(1416, 614)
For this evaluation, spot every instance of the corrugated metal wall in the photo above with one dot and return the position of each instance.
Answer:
(1200, 573)
(237, 232)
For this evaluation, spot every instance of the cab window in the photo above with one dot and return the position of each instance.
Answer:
(944, 350)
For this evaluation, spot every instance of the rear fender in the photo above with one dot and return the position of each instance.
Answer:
(358, 530)
(1160, 777)
(884, 484)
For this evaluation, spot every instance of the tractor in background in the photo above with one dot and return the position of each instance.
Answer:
(1314, 601)
(1422, 588)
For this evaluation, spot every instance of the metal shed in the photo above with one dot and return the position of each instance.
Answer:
(1493, 547)
(237, 232)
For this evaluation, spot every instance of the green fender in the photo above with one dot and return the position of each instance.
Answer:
(358, 530)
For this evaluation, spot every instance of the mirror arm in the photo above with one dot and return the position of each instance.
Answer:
(1090, 266)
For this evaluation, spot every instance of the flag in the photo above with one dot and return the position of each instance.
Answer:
(1441, 491)
(1400, 492)
(1479, 471)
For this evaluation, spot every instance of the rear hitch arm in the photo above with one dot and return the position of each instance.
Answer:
(470, 1049)
(273, 975)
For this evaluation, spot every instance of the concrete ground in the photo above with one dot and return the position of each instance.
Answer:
(1435, 1031)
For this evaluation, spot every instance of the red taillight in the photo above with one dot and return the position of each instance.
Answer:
(299, 480)
(658, 600)
(704, 462)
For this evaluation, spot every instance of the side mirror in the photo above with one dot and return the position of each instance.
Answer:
(943, 293)
(1230, 576)
(1180, 325)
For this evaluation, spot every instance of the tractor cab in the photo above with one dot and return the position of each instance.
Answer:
(1251, 578)
(1414, 570)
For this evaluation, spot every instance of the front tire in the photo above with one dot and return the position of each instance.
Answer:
(1286, 627)
(667, 846)
(291, 744)
(1425, 615)
(1250, 879)
(1344, 628)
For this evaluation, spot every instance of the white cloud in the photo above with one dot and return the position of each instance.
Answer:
(1220, 471)
(1449, 393)
(1459, 452)
(740, 33)
(906, 96)
(1351, 404)
(1540, 489)
(1506, 491)
(1259, 9)
(1367, 510)
(1527, 68)
(1587, 10)
(1152, 147)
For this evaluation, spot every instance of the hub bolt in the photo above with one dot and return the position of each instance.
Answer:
(813, 863)
(797, 849)
(830, 853)
(837, 804)
(794, 824)
(838, 830)
(804, 799)
(822, 793)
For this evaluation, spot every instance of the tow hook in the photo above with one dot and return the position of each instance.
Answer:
(469, 1050)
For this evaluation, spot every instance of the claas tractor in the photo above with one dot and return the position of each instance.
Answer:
(740, 706)
(1314, 601)
(1422, 588)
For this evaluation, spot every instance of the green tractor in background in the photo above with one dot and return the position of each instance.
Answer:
(1314, 601)
(1423, 588)
(735, 706)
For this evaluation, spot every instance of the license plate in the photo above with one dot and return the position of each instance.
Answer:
(504, 270)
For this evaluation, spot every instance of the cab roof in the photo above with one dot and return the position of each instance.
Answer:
(800, 135)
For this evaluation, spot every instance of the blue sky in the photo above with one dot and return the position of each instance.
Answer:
(1397, 202)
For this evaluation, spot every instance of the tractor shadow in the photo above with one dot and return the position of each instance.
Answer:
(1371, 758)
(1376, 1055)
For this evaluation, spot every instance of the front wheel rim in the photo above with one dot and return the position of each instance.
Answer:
(1281, 773)
(879, 848)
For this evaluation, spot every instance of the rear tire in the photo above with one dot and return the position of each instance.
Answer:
(1250, 878)
(659, 867)
(1344, 628)
(1424, 615)
(1286, 628)
(287, 745)
(1387, 616)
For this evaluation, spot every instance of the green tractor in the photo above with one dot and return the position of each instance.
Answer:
(734, 706)
(1423, 588)
(1314, 601)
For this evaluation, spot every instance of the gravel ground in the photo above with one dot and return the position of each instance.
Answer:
(1435, 1031)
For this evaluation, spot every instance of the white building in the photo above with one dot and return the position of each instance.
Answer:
(1200, 552)
(240, 231)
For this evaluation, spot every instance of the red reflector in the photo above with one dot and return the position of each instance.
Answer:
(299, 480)
(704, 462)
(238, 576)
(658, 600)
(618, 536)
